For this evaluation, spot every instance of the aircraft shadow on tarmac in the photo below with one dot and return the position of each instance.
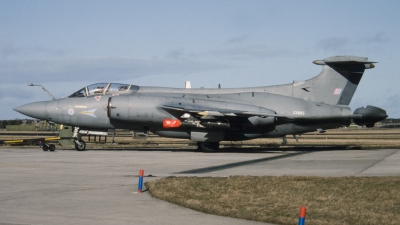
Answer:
(285, 153)
(234, 150)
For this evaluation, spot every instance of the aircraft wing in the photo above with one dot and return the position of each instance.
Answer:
(229, 114)
(217, 112)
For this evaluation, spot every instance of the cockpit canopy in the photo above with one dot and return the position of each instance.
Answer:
(104, 89)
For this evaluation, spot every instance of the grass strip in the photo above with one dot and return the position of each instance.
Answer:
(329, 200)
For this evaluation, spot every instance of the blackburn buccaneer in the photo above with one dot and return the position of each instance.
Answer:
(208, 116)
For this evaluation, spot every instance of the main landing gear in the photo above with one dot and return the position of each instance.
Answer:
(284, 140)
(208, 146)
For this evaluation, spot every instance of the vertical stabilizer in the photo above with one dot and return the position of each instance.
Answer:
(337, 82)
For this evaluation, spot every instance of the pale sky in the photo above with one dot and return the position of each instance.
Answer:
(66, 45)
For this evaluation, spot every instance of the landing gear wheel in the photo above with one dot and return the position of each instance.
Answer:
(81, 146)
(199, 147)
(45, 147)
(208, 146)
(52, 147)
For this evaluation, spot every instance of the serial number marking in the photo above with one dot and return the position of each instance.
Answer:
(301, 113)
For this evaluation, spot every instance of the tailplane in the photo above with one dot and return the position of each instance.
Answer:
(337, 82)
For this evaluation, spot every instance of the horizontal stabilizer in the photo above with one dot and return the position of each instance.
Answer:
(346, 60)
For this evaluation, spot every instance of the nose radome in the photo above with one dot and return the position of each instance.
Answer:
(35, 110)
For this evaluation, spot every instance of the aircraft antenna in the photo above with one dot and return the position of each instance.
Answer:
(187, 85)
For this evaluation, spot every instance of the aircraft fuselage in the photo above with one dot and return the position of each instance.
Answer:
(144, 111)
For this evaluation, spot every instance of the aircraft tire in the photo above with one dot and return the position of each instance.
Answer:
(208, 146)
(52, 148)
(81, 147)
(45, 148)
(199, 147)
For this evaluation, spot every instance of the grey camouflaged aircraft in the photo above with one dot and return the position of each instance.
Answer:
(211, 115)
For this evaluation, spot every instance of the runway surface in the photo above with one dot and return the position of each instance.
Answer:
(98, 186)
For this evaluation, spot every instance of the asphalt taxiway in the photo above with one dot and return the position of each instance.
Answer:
(98, 186)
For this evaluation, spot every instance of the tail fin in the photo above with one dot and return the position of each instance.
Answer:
(337, 82)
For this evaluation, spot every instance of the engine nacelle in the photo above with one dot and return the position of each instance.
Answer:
(368, 116)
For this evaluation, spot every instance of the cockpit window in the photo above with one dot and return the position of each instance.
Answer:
(105, 88)
(80, 93)
(96, 89)
(118, 87)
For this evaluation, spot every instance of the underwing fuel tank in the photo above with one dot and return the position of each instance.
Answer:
(369, 116)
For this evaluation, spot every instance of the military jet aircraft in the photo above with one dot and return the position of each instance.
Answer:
(211, 115)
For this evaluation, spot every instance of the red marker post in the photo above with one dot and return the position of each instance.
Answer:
(140, 185)
(302, 218)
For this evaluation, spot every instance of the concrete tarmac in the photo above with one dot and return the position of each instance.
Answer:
(98, 186)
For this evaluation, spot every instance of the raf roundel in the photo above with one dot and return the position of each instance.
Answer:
(71, 112)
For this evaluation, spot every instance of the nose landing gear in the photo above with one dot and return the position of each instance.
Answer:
(80, 145)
